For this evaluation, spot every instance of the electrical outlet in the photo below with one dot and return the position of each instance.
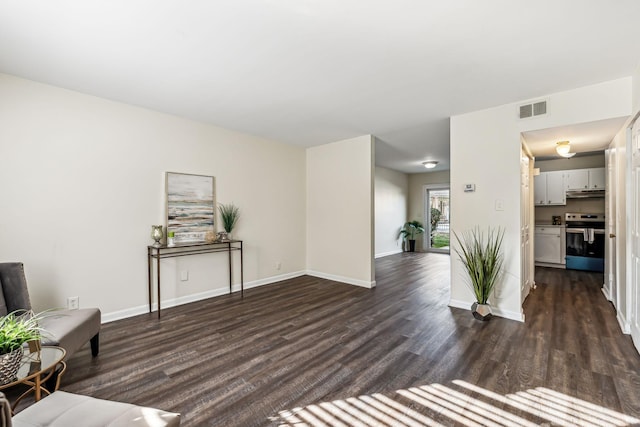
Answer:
(278, 265)
(73, 303)
(184, 275)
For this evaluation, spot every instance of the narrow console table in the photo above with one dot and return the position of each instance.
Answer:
(164, 251)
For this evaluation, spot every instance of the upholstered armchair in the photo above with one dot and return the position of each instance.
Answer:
(69, 329)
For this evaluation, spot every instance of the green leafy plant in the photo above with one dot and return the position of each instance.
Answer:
(435, 219)
(410, 229)
(17, 328)
(229, 214)
(481, 255)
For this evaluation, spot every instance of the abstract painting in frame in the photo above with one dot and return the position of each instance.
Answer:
(191, 207)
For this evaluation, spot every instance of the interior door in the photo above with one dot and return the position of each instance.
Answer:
(634, 203)
(610, 214)
(526, 220)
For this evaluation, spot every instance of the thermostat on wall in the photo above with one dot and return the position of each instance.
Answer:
(469, 188)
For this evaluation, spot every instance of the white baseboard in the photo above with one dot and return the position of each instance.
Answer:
(550, 264)
(127, 312)
(624, 325)
(456, 303)
(466, 305)
(397, 251)
(142, 309)
(512, 315)
(269, 280)
(605, 291)
(347, 280)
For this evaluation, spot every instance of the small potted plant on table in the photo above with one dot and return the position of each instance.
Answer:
(16, 329)
(229, 215)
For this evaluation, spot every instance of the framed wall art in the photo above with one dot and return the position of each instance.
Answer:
(191, 207)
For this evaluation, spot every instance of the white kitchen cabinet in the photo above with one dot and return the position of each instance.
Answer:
(549, 189)
(549, 243)
(585, 179)
(540, 189)
(556, 195)
(596, 179)
(578, 179)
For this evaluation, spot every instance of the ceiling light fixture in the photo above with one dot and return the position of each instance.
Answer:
(430, 164)
(563, 149)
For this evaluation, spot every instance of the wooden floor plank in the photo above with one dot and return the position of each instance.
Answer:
(232, 361)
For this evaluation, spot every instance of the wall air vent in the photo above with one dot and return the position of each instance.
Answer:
(532, 110)
(540, 108)
(526, 111)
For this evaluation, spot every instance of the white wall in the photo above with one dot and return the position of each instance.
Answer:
(485, 150)
(635, 90)
(391, 198)
(83, 180)
(486, 153)
(340, 211)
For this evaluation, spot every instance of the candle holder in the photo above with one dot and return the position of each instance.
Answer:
(157, 235)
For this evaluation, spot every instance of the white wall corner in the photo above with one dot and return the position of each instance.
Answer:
(390, 210)
(384, 254)
(342, 279)
(340, 211)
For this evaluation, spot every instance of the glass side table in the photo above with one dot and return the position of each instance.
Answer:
(36, 368)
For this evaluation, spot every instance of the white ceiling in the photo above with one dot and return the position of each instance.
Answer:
(583, 137)
(309, 72)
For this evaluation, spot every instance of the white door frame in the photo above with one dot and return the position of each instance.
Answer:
(610, 286)
(633, 227)
(527, 219)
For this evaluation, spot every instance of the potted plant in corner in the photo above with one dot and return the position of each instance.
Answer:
(409, 232)
(229, 215)
(16, 329)
(482, 258)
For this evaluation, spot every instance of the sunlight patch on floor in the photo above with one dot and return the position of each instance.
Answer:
(410, 408)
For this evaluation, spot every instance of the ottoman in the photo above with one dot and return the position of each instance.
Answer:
(62, 409)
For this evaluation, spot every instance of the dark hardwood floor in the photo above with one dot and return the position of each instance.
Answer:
(309, 351)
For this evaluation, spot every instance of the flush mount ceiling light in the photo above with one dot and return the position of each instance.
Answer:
(430, 164)
(563, 149)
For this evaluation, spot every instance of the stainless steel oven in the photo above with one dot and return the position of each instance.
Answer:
(585, 241)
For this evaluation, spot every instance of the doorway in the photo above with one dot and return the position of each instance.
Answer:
(436, 218)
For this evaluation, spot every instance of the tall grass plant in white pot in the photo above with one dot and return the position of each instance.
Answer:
(482, 257)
